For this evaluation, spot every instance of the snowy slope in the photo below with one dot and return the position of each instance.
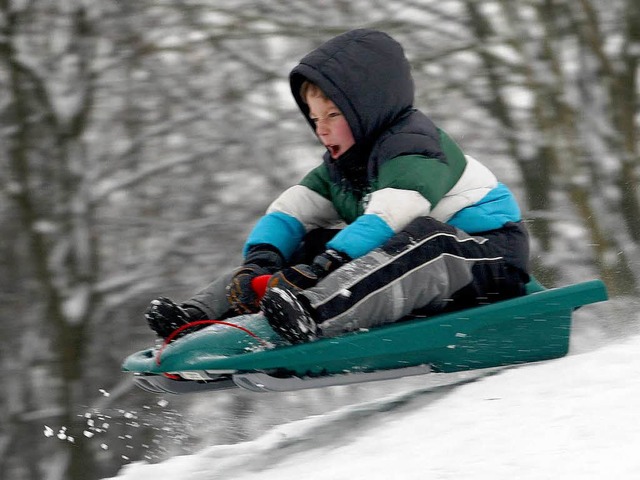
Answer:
(573, 418)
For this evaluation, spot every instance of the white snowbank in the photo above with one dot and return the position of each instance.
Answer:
(573, 418)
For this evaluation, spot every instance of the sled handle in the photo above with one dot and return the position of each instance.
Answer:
(259, 285)
(186, 326)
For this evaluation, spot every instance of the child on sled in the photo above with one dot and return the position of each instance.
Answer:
(396, 221)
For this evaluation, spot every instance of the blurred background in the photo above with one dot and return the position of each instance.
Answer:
(140, 141)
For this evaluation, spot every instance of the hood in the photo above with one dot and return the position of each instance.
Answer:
(366, 74)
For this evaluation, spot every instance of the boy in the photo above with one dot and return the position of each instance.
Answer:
(427, 229)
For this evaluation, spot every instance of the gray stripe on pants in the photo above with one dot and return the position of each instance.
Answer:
(431, 283)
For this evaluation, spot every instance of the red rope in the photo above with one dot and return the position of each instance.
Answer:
(184, 327)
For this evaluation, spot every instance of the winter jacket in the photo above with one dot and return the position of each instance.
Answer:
(401, 167)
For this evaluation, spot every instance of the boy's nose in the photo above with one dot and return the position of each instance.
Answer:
(321, 127)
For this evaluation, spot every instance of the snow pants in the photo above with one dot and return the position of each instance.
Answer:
(427, 268)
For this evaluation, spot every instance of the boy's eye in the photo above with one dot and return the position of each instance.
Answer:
(328, 116)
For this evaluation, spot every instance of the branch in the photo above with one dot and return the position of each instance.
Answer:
(107, 186)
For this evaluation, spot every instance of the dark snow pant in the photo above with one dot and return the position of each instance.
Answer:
(212, 299)
(427, 268)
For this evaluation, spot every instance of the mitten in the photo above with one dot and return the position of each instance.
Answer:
(303, 277)
(260, 260)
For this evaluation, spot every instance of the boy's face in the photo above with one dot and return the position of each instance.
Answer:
(331, 126)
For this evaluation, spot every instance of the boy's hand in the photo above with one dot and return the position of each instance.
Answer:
(260, 260)
(240, 293)
(303, 277)
(299, 277)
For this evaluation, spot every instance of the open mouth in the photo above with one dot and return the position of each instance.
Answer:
(334, 150)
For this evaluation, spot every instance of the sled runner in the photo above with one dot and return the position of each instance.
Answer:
(530, 328)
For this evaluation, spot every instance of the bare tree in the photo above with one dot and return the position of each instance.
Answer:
(140, 140)
(568, 137)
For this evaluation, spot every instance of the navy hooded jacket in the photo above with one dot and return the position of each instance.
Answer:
(401, 167)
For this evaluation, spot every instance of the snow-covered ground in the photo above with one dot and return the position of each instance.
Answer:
(573, 418)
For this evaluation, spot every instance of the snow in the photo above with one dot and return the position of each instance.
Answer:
(572, 418)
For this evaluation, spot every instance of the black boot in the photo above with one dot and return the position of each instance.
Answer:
(289, 315)
(164, 316)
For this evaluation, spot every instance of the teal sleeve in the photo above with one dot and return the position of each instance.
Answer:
(498, 207)
(359, 238)
(279, 230)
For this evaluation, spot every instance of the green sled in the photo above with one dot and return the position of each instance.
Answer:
(530, 328)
